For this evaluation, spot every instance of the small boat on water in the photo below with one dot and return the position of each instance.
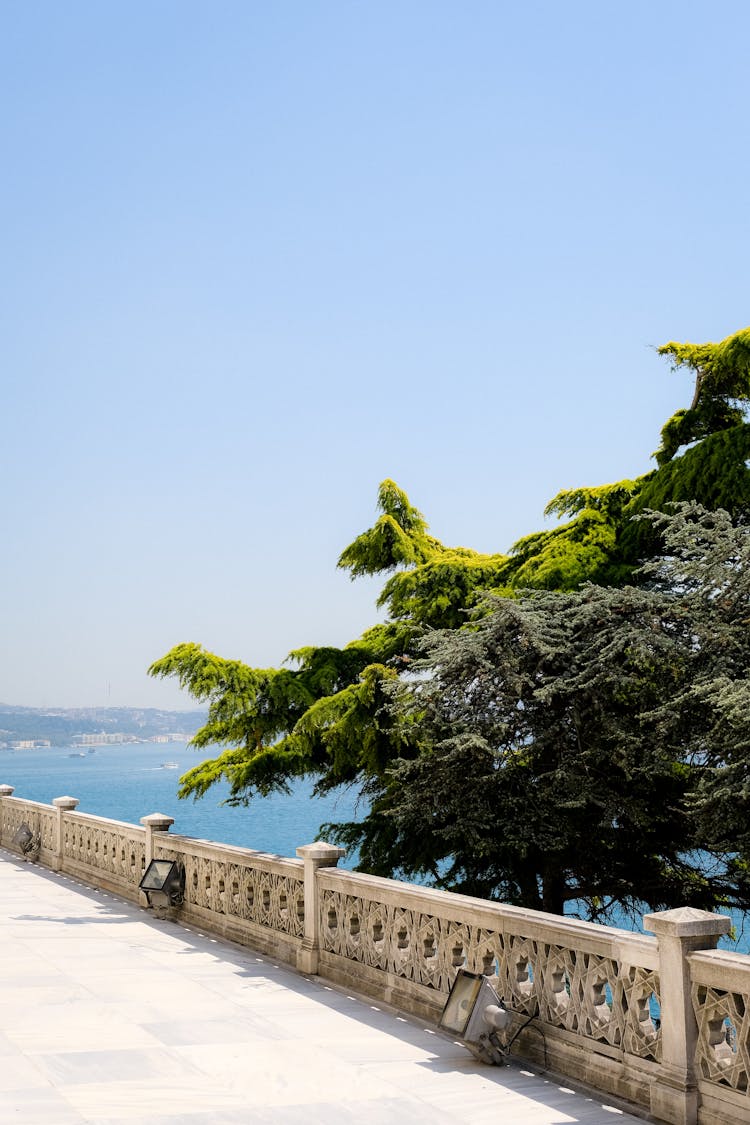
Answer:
(77, 754)
(170, 765)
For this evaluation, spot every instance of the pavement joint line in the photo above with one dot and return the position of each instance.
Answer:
(440, 1071)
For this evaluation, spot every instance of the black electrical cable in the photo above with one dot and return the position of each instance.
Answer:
(505, 1050)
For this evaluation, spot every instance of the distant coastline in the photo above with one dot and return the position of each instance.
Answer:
(32, 728)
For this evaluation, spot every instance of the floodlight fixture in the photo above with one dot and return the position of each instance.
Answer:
(163, 883)
(26, 841)
(475, 1013)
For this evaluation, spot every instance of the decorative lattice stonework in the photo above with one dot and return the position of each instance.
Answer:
(589, 995)
(723, 1036)
(641, 1036)
(40, 819)
(240, 890)
(106, 847)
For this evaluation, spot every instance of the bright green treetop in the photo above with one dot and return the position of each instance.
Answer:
(722, 386)
(429, 584)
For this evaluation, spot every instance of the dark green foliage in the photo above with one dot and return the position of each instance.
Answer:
(611, 716)
(714, 473)
(709, 716)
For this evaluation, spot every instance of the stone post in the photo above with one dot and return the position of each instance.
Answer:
(5, 791)
(314, 856)
(674, 1095)
(156, 822)
(63, 805)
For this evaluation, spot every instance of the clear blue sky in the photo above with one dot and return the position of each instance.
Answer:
(257, 257)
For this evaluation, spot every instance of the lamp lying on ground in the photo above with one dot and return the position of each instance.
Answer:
(27, 843)
(163, 883)
(475, 1013)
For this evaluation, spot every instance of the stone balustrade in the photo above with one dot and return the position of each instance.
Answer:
(588, 986)
(662, 1022)
(249, 897)
(720, 995)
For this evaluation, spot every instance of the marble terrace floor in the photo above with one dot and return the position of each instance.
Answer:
(109, 1016)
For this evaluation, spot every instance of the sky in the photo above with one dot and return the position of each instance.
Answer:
(258, 257)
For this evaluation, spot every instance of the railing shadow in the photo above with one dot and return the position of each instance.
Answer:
(437, 1053)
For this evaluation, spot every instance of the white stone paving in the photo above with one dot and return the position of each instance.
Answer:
(110, 1017)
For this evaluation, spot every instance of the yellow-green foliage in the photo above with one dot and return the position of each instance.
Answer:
(601, 543)
(322, 713)
(609, 499)
(440, 591)
(722, 385)
(585, 549)
(397, 538)
(434, 585)
(721, 369)
(336, 724)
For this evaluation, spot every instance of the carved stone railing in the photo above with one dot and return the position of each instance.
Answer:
(720, 989)
(247, 896)
(590, 988)
(39, 818)
(110, 853)
(662, 1022)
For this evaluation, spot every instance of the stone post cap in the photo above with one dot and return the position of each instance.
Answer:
(157, 821)
(6, 790)
(321, 853)
(66, 803)
(686, 921)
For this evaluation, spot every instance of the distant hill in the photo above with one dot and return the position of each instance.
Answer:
(59, 725)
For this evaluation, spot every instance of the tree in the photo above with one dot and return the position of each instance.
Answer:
(722, 384)
(590, 733)
(707, 716)
(327, 713)
(703, 456)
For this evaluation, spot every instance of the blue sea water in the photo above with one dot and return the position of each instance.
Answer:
(126, 782)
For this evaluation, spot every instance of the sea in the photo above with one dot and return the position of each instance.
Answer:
(130, 780)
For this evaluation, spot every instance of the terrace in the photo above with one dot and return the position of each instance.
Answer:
(288, 990)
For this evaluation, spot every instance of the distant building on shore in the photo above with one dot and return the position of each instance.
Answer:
(101, 739)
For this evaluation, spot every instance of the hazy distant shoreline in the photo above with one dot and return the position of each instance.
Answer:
(65, 726)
